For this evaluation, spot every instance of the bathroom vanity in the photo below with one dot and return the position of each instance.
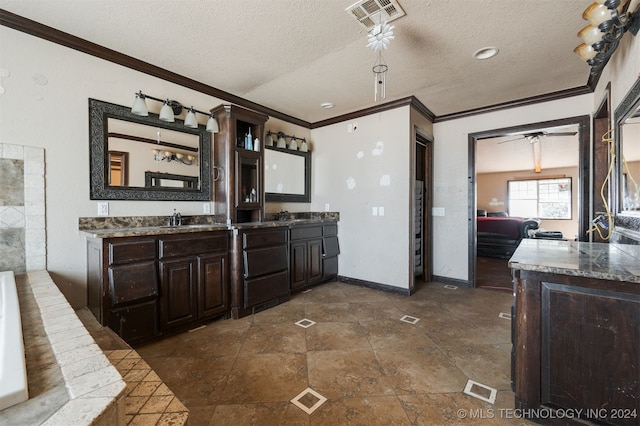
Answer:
(148, 281)
(576, 330)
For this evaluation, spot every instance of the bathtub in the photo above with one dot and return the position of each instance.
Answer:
(13, 371)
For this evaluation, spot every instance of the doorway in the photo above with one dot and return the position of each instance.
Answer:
(422, 203)
(581, 124)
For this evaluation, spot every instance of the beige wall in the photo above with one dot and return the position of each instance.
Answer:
(494, 186)
(357, 172)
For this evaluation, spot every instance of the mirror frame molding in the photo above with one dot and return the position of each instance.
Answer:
(293, 198)
(99, 112)
(628, 105)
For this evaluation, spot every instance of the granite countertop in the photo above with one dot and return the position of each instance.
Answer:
(145, 226)
(615, 262)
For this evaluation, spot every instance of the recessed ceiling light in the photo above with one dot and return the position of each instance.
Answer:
(486, 52)
(327, 105)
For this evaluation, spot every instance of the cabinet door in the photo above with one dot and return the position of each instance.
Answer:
(178, 291)
(314, 261)
(135, 323)
(213, 284)
(298, 264)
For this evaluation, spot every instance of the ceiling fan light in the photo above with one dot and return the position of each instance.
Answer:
(585, 51)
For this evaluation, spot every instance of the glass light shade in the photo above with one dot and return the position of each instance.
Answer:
(140, 106)
(293, 144)
(179, 155)
(282, 143)
(190, 157)
(303, 146)
(212, 125)
(585, 51)
(596, 14)
(590, 34)
(190, 120)
(166, 113)
(269, 140)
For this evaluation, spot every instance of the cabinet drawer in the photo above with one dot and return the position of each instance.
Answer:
(129, 251)
(263, 238)
(191, 246)
(132, 283)
(330, 230)
(262, 289)
(303, 232)
(265, 261)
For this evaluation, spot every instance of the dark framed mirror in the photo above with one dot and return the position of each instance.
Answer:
(627, 148)
(287, 175)
(143, 158)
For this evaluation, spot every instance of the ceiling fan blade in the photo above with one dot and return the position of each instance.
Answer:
(560, 133)
(513, 140)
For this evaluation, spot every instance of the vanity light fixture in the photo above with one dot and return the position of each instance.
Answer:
(608, 20)
(282, 141)
(170, 109)
(169, 156)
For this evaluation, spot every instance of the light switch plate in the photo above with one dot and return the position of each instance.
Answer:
(206, 208)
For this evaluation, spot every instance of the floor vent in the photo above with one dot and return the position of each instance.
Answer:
(370, 13)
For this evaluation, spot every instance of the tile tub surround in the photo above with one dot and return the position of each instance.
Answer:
(22, 208)
(71, 381)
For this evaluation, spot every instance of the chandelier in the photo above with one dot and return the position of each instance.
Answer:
(379, 39)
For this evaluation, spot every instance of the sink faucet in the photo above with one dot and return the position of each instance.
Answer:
(175, 219)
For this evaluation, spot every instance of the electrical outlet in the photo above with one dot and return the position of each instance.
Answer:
(206, 208)
(349, 128)
(380, 211)
(103, 209)
(374, 211)
(327, 207)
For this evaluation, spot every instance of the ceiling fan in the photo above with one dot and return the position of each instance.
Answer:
(535, 136)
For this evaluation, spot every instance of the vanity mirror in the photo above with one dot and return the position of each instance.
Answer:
(627, 133)
(287, 175)
(143, 158)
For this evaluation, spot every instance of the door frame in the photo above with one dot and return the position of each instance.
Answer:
(427, 240)
(584, 162)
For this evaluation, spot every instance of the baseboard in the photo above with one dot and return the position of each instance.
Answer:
(451, 281)
(375, 286)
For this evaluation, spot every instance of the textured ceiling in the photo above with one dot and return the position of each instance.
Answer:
(293, 55)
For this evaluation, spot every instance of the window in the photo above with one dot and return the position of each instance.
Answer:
(541, 198)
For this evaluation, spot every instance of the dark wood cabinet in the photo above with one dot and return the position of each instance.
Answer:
(306, 256)
(194, 277)
(313, 254)
(576, 346)
(145, 286)
(260, 269)
(123, 287)
(178, 303)
(239, 174)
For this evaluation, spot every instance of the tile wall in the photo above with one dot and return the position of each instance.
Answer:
(23, 244)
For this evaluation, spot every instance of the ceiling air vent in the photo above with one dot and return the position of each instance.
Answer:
(373, 12)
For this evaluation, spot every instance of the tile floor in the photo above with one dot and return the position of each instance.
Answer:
(354, 361)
